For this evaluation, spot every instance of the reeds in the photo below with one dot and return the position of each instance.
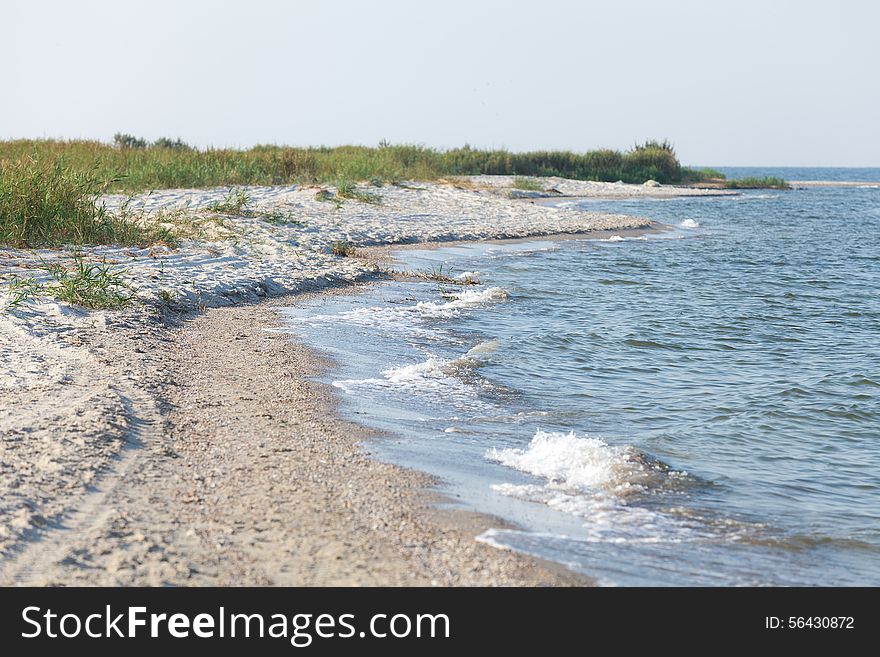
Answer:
(47, 202)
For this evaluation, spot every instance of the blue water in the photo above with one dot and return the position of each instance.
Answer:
(837, 174)
(700, 406)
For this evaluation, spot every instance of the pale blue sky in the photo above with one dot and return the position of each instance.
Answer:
(738, 83)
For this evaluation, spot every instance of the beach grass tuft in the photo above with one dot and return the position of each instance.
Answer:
(349, 190)
(21, 289)
(235, 204)
(279, 217)
(326, 196)
(342, 249)
(45, 203)
(88, 284)
(527, 184)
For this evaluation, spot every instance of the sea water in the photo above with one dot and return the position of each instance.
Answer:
(699, 406)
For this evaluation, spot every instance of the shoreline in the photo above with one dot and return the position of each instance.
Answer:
(194, 503)
(96, 427)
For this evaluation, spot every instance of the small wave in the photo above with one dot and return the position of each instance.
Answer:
(580, 464)
(441, 368)
(433, 368)
(647, 344)
(465, 299)
(433, 373)
(351, 385)
(601, 483)
(617, 281)
(483, 349)
(689, 223)
(399, 317)
(614, 238)
(470, 277)
(482, 296)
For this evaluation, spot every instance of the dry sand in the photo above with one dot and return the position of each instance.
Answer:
(181, 443)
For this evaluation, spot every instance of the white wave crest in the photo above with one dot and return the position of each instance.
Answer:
(590, 479)
(576, 464)
(470, 277)
(433, 368)
(483, 349)
(689, 223)
(467, 298)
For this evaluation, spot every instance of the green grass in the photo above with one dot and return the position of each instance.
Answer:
(348, 190)
(45, 203)
(50, 190)
(91, 285)
(20, 289)
(326, 196)
(527, 184)
(278, 217)
(767, 182)
(342, 249)
(236, 203)
(701, 174)
(135, 165)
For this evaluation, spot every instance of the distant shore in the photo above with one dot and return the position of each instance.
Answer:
(831, 183)
(179, 441)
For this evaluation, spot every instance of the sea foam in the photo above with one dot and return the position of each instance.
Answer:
(588, 478)
(573, 463)
(433, 368)
(462, 300)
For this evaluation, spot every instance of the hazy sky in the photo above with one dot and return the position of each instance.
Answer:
(738, 83)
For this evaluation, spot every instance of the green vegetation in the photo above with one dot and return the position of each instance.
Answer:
(21, 289)
(236, 203)
(48, 203)
(89, 284)
(707, 173)
(132, 164)
(527, 184)
(92, 285)
(173, 144)
(50, 190)
(347, 189)
(767, 182)
(278, 217)
(326, 196)
(342, 249)
(125, 140)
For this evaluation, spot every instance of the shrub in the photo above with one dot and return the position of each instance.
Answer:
(172, 144)
(124, 140)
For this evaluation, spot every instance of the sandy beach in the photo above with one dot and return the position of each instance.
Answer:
(181, 441)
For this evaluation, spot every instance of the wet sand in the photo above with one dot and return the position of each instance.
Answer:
(244, 475)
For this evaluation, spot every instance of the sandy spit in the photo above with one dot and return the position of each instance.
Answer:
(178, 442)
